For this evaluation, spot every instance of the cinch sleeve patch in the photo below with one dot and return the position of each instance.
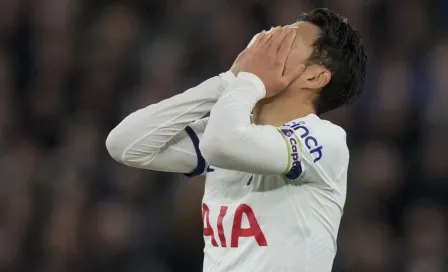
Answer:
(293, 145)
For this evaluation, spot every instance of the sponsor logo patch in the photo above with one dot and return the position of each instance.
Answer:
(311, 143)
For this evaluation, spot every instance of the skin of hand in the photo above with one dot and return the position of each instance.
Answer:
(266, 58)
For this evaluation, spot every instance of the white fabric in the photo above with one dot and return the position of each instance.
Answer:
(154, 138)
(230, 141)
(293, 178)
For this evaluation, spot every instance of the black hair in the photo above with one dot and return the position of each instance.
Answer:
(338, 47)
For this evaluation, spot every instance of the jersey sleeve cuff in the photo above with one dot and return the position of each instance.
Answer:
(200, 167)
(260, 90)
(227, 77)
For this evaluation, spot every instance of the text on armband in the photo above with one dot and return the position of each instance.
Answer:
(310, 142)
(296, 167)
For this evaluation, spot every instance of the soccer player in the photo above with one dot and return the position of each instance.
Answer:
(276, 173)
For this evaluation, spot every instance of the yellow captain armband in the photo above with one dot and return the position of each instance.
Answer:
(294, 149)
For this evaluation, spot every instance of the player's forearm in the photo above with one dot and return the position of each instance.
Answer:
(142, 134)
(232, 142)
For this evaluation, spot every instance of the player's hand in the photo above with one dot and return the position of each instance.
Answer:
(266, 59)
(236, 67)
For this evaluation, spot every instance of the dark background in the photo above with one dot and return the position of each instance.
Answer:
(70, 70)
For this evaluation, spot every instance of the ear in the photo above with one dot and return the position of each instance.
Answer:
(316, 77)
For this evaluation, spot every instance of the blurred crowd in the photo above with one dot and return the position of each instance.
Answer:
(70, 70)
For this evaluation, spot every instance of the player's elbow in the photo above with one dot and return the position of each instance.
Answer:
(124, 146)
(115, 146)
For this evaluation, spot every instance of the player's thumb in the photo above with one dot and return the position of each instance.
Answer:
(294, 74)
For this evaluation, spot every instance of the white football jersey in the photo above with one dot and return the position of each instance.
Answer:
(273, 196)
(285, 222)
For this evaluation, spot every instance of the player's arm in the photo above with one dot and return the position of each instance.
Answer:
(232, 142)
(165, 136)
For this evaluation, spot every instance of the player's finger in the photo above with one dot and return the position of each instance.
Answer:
(272, 29)
(273, 34)
(256, 36)
(294, 74)
(257, 39)
(278, 39)
(263, 38)
(286, 45)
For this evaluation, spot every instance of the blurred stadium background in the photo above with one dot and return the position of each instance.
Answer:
(71, 69)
